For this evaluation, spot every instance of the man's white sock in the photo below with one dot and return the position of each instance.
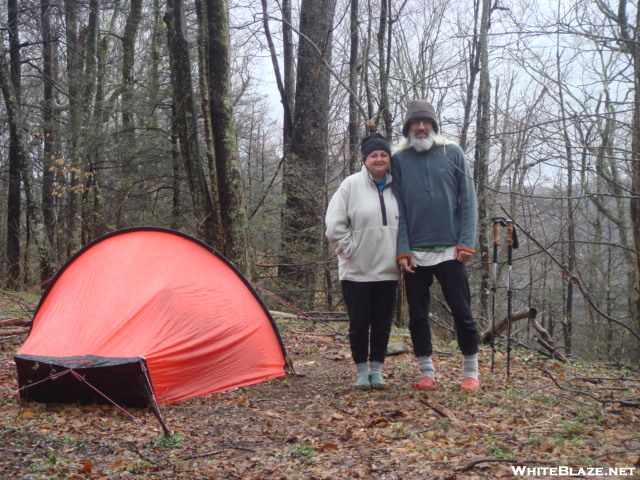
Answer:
(470, 366)
(362, 368)
(425, 365)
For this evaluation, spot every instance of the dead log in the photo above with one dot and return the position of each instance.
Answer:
(489, 335)
(14, 322)
(544, 339)
(13, 331)
(556, 354)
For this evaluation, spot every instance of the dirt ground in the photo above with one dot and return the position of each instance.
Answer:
(313, 425)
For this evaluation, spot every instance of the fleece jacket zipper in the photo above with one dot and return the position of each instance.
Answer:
(383, 207)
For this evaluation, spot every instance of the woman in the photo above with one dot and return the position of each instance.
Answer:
(362, 226)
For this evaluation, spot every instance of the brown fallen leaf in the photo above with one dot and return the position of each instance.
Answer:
(86, 468)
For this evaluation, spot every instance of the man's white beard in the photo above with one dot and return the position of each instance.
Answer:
(422, 144)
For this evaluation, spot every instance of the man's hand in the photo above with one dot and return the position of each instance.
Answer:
(407, 264)
(463, 255)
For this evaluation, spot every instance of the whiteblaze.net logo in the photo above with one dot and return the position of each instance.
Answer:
(564, 471)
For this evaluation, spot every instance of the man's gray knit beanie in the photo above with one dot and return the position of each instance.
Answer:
(419, 110)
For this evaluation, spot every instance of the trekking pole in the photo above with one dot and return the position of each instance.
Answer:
(509, 291)
(497, 223)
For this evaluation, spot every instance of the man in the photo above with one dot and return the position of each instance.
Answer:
(436, 236)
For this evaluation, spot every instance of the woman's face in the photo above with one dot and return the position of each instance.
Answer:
(377, 162)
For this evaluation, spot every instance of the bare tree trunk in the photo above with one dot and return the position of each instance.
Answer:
(93, 221)
(635, 173)
(175, 162)
(383, 69)
(90, 123)
(474, 69)
(128, 61)
(74, 83)
(47, 267)
(22, 154)
(304, 172)
(481, 167)
(354, 118)
(127, 138)
(155, 68)
(571, 246)
(629, 42)
(289, 70)
(204, 78)
(230, 183)
(185, 120)
(11, 91)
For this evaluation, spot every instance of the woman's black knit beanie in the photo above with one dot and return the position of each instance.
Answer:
(374, 142)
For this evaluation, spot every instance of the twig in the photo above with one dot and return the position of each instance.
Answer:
(624, 402)
(203, 455)
(216, 452)
(440, 411)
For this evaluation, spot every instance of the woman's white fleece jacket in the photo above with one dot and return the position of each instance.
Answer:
(362, 228)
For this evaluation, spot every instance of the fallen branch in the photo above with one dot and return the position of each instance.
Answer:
(443, 412)
(623, 365)
(554, 353)
(14, 322)
(628, 402)
(204, 455)
(546, 341)
(315, 316)
(487, 336)
(14, 331)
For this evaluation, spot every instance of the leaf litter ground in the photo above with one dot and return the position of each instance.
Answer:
(313, 425)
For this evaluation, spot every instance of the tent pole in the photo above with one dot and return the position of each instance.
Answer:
(156, 411)
(154, 403)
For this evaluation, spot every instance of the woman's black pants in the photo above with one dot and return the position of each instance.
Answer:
(370, 308)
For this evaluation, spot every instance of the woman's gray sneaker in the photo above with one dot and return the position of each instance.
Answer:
(362, 382)
(377, 382)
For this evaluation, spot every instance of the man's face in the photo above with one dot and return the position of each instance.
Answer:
(421, 128)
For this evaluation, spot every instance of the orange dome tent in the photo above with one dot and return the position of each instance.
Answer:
(147, 315)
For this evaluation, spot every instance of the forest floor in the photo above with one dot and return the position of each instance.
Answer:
(558, 420)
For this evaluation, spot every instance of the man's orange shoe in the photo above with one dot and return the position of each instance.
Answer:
(425, 383)
(470, 384)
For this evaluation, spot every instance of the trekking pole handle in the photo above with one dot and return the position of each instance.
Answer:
(510, 228)
(510, 232)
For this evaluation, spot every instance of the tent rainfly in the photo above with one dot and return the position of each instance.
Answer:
(147, 316)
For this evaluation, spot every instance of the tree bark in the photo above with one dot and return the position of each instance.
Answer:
(11, 91)
(204, 79)
(354, 118)
(10, 85)
(305, 164)
(74, 86)
(481, 167)
(229, 173)
(474, 69)
(289, 70)
(186, 120)
(47, 267)
(384, 32)
(635, 171)
(14, 120)
(567, 324)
